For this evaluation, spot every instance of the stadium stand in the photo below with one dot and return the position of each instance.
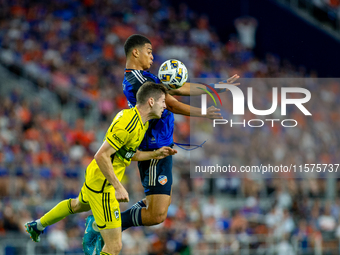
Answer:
(61, 71)
(327, 12)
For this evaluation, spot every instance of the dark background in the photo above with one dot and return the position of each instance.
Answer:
(279, 31)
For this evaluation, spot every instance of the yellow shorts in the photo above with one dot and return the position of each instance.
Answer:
(104, 206)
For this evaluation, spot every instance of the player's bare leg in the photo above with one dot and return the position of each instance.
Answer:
(78, 207)
(156, 209)
(113, 241)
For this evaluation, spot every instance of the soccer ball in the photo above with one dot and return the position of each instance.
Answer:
(173, 73)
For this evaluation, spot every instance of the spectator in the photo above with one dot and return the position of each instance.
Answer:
(327, 223)
(211, 209)
(246, 29)
(57, 237)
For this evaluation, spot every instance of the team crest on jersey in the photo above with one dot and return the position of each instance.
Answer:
(162, 179)
(116, 213)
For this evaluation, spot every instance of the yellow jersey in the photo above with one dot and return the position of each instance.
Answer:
(125, 134)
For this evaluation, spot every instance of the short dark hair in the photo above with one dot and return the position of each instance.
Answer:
(150, 89)
(135, 41)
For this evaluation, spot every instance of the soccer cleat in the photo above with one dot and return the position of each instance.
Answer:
(99, 244)
(90, 236)
(33, 231)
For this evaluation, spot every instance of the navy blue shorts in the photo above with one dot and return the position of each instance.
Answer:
(156, 175)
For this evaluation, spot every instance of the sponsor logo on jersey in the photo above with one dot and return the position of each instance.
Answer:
(162, 179)
(117, 138)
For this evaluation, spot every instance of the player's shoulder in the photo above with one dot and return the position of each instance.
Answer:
(150, 76)
(139, 76)
(125, 119)
(132, 120)
(125, 115)
(134, 76)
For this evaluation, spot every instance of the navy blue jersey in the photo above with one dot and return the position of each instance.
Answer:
(160, 130)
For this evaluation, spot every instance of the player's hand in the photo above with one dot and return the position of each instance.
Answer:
(231, 80)
(164, 152)
(213, 113)
(121, 194)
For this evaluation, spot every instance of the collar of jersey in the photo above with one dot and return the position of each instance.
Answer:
(129, 70)
(139, 117)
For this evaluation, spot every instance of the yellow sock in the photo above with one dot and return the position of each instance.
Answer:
(104, 253)
(57, 213)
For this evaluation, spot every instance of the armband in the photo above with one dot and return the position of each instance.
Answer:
(125, 153)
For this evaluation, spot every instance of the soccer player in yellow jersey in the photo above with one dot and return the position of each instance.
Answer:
(102, 190)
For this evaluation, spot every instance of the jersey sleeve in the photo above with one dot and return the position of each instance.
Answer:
(151, 77)
(116, 135)
(135, 79)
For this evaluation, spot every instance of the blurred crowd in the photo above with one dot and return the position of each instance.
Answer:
(76, 47)
(325, 11)
(334, 4)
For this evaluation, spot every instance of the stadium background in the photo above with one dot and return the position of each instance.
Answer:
(61, 71)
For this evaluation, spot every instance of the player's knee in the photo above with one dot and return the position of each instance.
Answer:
(118, 248)
(114, 248)
(77, 207)
(144, 201)
(159, 218)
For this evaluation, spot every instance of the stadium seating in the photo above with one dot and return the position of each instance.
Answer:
(69, 55)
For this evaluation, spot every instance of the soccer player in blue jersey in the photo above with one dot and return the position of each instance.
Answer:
(156, 175)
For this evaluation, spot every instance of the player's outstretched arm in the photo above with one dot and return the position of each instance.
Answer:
(103, 159)
(196, 89)
(157, 154)
(177, 107)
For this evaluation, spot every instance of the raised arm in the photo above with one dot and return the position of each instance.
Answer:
(103, 159)
(196, 89)
(188, 89)
(177, 107)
